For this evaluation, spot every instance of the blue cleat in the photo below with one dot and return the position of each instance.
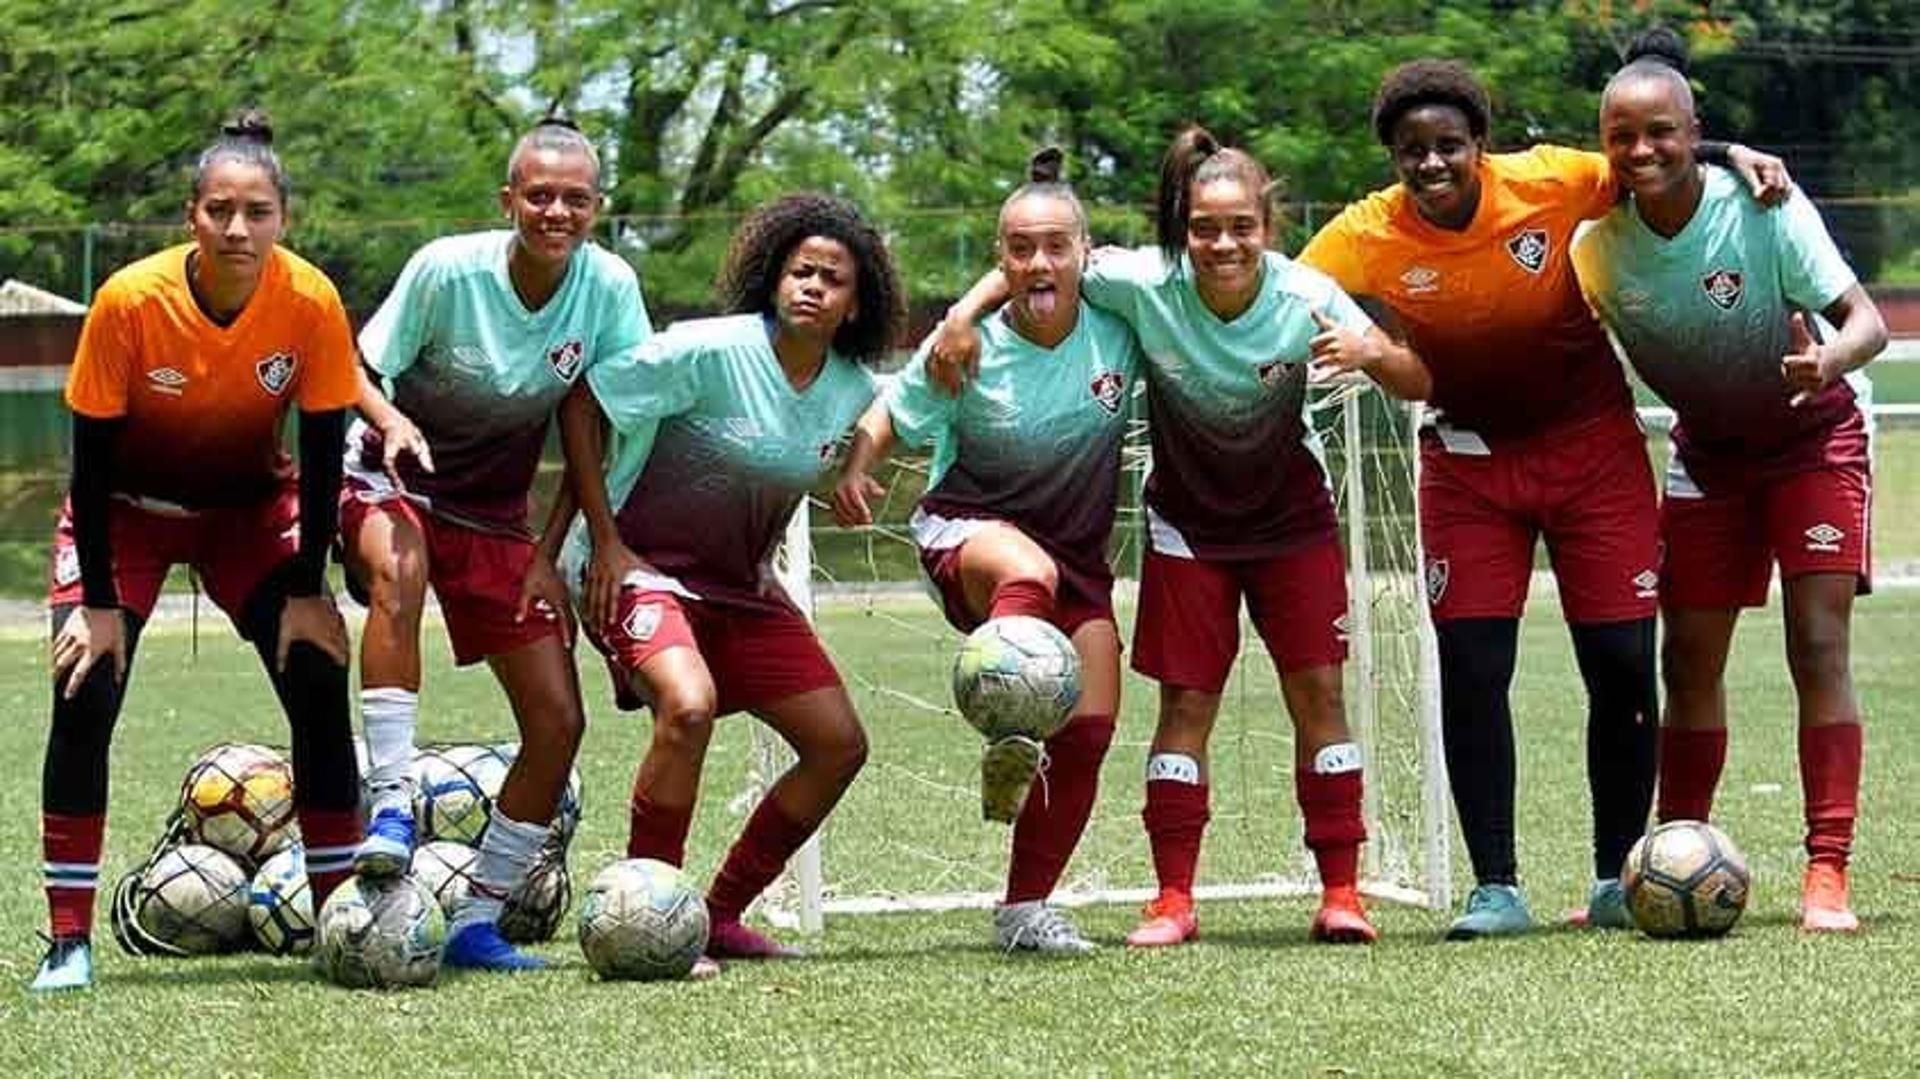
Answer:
(1493, 910)
(68, 965)
(1606, 907)
(387, 851)
(479, 946)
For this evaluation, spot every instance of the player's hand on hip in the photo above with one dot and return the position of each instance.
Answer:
(89, 633)
(852, 499)
(544, 595)
(315, 620)
(1336, 349)
(954, 356)
(607, 572)
(400, 438)
(1808, 367)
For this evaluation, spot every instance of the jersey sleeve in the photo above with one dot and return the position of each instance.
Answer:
(331, 375)
(104, 363)
(1587, 175)
(391, 340)
(1337, 251)
(651, 381)
(920, 412)
(628, 324)
(1118, 279)
(1812, 273)
(1326, 295)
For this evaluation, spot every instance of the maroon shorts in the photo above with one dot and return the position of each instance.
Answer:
(231, 549)
(476, 575)
(1077, 601)
(1187, 632)
(1720, 548)
(756, 657)
(1587, 488)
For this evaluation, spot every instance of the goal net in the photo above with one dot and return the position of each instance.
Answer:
(909, 835)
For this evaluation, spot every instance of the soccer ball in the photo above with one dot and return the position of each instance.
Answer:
(191, 901)
(445, 869)
(238, 799)
(1685, 879)
(641, 920)
(566, 817)
(380, 935)
(280, 904)
(534, 910)
(454, 789)
(1016, 676)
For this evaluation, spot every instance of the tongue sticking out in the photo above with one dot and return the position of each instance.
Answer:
(1041, 301)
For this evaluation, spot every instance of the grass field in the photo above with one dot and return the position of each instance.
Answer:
(929, 994)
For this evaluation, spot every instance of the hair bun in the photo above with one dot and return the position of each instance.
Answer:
(251, 124)
(1046, 166)
(556, 118)
(1659, 46)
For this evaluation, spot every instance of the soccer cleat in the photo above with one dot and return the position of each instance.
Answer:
(1166, 921)
(68, 964)
(1342, 919)
(1007, 768)
(733, 940)
(1824, 907)
(1606, 907)
(387, 850)
(1035, 927)
(479, 946)
(1493, 910)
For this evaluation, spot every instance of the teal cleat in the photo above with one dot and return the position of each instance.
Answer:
(68, 965)
(1606, 907)
(479, 946)
(1493, 910)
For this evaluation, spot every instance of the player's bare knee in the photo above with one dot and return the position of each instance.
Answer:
(397, 587)
(683, 720)
(1818, 657)
(842, 754)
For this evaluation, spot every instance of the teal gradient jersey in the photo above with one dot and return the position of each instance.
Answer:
(481, 375)
(1237, 470)
(1703, 317)
(713, 448)
(1034, 438)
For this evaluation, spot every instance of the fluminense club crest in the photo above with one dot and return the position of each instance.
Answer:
(1271, 372)
(1107, 389)
(1724, 288)
(1529, 248)
(275, 372)
(565, 359)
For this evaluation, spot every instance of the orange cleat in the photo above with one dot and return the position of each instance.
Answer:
(1823, 900)
(1342, 920)
(1167, 921)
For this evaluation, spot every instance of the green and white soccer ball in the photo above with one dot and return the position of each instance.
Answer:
(191, 901)
(454, 789)
(380, 935)
(1016, 676)
(445, 869)
(642, 920)
(280, 904)
(1685, 879)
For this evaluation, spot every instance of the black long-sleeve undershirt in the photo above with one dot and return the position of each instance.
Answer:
(323, 437)
(89, 490)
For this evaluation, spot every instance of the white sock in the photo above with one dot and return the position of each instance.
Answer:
(388, 715)
(507, 853)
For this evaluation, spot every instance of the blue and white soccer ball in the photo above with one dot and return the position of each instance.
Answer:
(1016, 676)
(380, 934)
(566, 816)
(280, 904)
(642, 920)
(454, 789)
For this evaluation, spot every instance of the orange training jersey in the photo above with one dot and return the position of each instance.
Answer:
(1494, 310)
(203, 403)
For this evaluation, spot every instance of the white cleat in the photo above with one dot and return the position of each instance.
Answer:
(1036, 927)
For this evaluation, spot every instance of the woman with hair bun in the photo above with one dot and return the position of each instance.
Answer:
(1532, 435)
(1238, 506)
(721, 426)
(189, 361)
(1016, 518)
(1770, 461)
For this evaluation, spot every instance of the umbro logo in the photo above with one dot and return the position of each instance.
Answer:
(167, 380)
(275, 372)
(1724, 288)
(1825, 538)
(566, 358)
(1342, 626)
(1421, 279)
(1107, 390)
(1529, 248)
(1646, 584)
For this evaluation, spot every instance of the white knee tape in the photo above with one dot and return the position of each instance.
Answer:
(1174, 767)
(1336, 759)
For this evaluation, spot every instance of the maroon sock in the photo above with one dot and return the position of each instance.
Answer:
(71, 848)
(656, 831)
(1021, 596)
(1830, 781)
(330, 837)
(757, 857)
(1176, 818)
(1331, 806)
(1057, 808)
(1691, 759)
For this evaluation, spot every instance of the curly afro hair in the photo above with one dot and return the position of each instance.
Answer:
(764, 240)
(1430, 82)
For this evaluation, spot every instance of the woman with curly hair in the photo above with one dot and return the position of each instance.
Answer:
(1531, 434)
(721, 425)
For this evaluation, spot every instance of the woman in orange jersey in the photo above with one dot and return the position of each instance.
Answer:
(187, 366)
(1532, 435)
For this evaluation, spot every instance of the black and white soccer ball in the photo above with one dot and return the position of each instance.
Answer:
(445, 869)
(535, 909)
(191, 900)
(1016, 676)
(642, 920)
(1685, 879)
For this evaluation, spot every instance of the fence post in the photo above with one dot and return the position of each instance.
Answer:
(86, 263)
